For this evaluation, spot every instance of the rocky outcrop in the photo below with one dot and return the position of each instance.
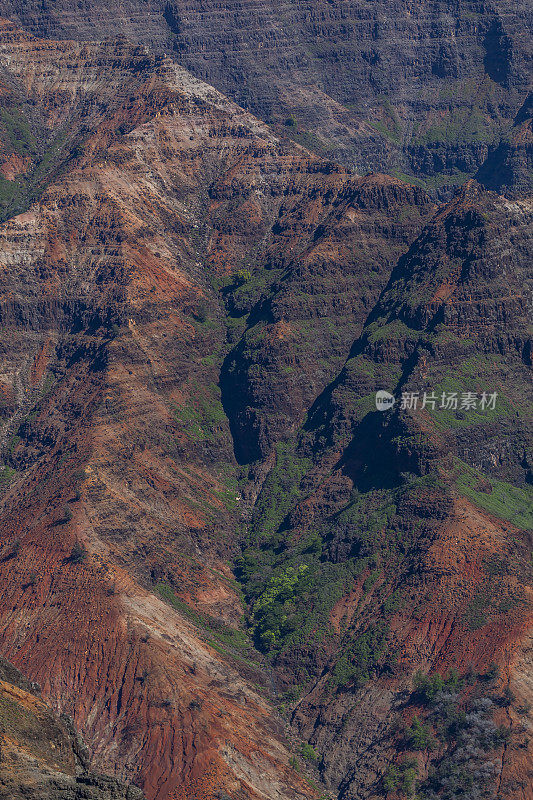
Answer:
(43, 758)
(195, 316)
(373, 85)
(509, 168)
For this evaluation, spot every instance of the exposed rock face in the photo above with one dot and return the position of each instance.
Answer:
(426, 89)
(456, 298)
(509, 169)
(195, 315)
(103, 296)
(42, 756)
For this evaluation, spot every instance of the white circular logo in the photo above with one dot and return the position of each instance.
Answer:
(384, 400)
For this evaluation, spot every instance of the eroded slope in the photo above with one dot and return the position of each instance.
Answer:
(384, 85)
(195, 318)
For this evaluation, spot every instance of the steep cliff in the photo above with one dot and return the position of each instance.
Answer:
(386, 551)
(216, 555)
(509, 168)
(428, 89)
(42, 756)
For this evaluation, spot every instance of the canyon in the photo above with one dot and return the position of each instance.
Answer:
(425, 89)
(235, 576)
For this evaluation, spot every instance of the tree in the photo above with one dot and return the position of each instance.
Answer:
(242, 276)
(418, 736)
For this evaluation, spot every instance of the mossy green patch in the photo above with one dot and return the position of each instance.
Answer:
(202, 416)
(17, 131)
(467, 124)
(280, 490)
(512, 503)
(6, 474)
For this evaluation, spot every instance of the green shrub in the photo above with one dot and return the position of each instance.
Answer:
(361, 657)
(428, 687)
(409, 777)
(418, 736)
(392, 779)
(6, 474)
(309, 753)
(242, 276)
(401, 778)
(78, 553)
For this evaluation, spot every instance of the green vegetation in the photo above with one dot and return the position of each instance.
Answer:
(17, 131)
(17, 195)
(78, 553)
(6, 474)
(389, 124)
(371, 580)
(13, 444)
(469, 736)
(477, 374)
(203, 416)
(291, 582)
(468, 124)
(428, 687)
(247, 287)
(280, 491)
(294, 763)
(310, 141)
(377, 331)
(309, 753)
(221, 637)
(461, 727)
(291, 590)
(504, 500)
(418, 736)
(488, 600)
(18, 136)
(10, 191)
(401, 778)
(242, 276)
(47, 384)
(228, 497)
(361, 656)
(405, 178)
(455, 177)
(476, 614)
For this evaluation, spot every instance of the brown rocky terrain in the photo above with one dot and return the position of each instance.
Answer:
(115, 427)
(195, 315)
(442, 583)
(42, 756)
(426, 90)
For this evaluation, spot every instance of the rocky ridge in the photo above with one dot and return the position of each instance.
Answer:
(42, 756)
(427, 90)
(195, 316)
